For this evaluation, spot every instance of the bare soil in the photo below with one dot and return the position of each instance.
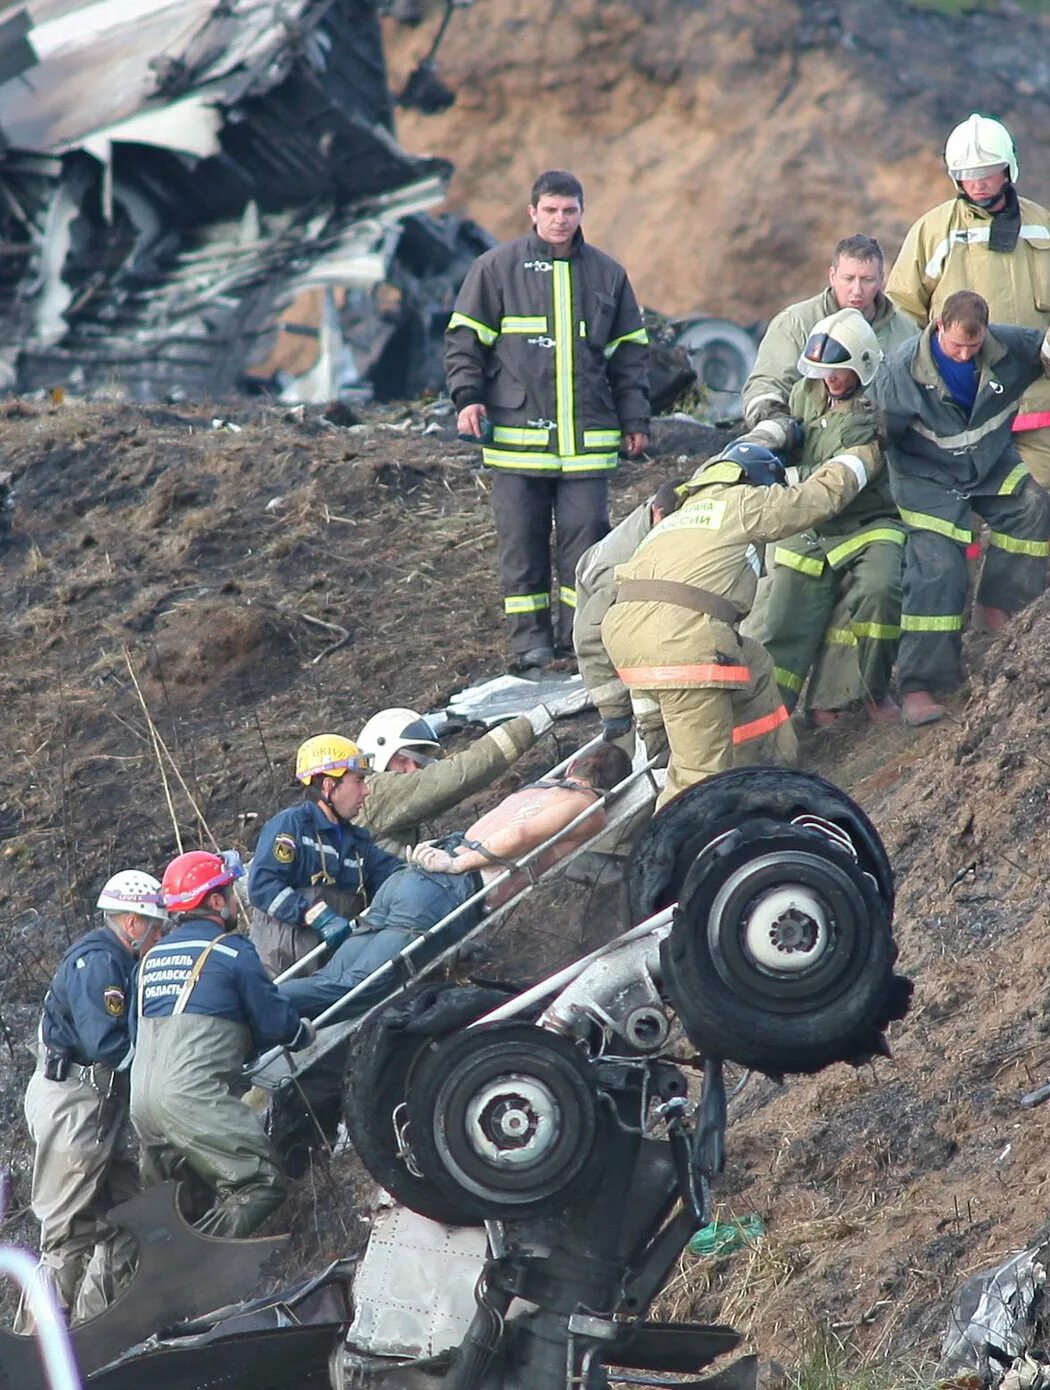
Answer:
(261, 585)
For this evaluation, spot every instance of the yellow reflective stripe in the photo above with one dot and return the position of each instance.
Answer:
(805, 564)
(638, 336)
(507, 434)
(915, 622)
(722, 472)
(563, 358)
(486, 335)
(922, 522)
(519, 323)
(583, 328)
(601, 439)
(1019, 547)
(862, 540)
(877, 632)
(567, 595)
(839, 637)
(526, 603)
(1013, 480)
(549, 463)
(788, 679)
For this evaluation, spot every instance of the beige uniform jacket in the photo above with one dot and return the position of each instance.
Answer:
(711, 543)
(595, 588)
(400, 803)
(775, 371)
(947, 250)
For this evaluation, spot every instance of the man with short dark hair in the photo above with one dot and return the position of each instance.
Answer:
(948, 400)
(546, 357)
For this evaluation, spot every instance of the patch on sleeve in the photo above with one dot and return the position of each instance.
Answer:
(285, 848)
(113, 998)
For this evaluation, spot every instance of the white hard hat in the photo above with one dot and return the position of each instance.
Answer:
(133, 891)
(397, 731)
(977, 147)
(845, 340)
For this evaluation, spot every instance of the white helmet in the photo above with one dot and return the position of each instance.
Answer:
(845, 340)
(133, 891)
(398, 731)
(978, 147)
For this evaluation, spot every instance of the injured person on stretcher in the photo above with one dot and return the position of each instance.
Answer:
(445, 873)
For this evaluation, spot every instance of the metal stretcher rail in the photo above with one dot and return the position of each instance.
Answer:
(278, 1065)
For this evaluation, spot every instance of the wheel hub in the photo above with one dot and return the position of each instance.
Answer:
(512, 1121)
(787, 929)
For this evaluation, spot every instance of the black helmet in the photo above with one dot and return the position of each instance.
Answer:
(761, 465)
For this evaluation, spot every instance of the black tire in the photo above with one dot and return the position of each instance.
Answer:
(683, 829)
(463, 1097)
(781, 957)
(387, 1049)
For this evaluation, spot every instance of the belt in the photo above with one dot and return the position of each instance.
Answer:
(682, 595)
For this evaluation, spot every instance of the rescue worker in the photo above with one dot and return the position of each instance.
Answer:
(204, 1006)
(409, 784)
(443, 875)
(310, 861)
(672, 631)
(948, 401)
(595, 590)
(858, 553)
(988, 239)
(76, 1105)
(546, 360)
(856, 280)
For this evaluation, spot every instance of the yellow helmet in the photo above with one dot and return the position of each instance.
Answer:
(330, 755)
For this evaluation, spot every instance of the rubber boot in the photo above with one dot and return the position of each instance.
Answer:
(884, 711)
(919, 707)
(987, 619)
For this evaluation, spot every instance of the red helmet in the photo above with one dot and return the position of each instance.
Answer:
(191, 877)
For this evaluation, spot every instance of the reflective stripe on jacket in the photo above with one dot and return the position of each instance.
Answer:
(556, 351)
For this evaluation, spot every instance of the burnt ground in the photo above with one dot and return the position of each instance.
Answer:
(185, 603)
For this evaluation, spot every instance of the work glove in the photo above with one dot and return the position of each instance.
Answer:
(305, 1036)
(615, 728)
(541, 719)
(333, 929)
(428, 856)
(779, 432)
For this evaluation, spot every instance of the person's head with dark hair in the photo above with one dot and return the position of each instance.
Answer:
(556, 210)
(962, 325)
(857, 273)
(665, 500)
(603, 767)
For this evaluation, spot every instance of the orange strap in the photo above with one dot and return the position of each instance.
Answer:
(1031, 420)
(743, 733)
(705, 673)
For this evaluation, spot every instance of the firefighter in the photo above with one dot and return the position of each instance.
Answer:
(949, 400)
(410, 783)
(672, 631)
(595, 590)
(76, 1104)
(988, 239)
(546, 360)
(313, 871)
(860, 552)
(204, 1005)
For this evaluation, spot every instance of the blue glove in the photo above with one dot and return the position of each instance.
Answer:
(333, 929)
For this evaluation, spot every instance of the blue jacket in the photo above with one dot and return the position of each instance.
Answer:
(232, 985)
(86, 1009)
(300, 848)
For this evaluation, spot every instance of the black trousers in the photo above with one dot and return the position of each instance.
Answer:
(525, 510)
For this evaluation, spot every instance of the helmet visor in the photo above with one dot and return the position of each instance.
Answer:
(823, 350)
(360, 762)
(983, 171)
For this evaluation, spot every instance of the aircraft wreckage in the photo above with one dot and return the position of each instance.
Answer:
(552, 1149)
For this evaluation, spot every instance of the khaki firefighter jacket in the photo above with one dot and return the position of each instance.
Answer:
(595, 589)
(776, 366)
(556, 351)
(947, 250)
(710, 544)
(399, 803)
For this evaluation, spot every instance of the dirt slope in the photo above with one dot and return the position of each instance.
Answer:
(150, 532)
(724, 148)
